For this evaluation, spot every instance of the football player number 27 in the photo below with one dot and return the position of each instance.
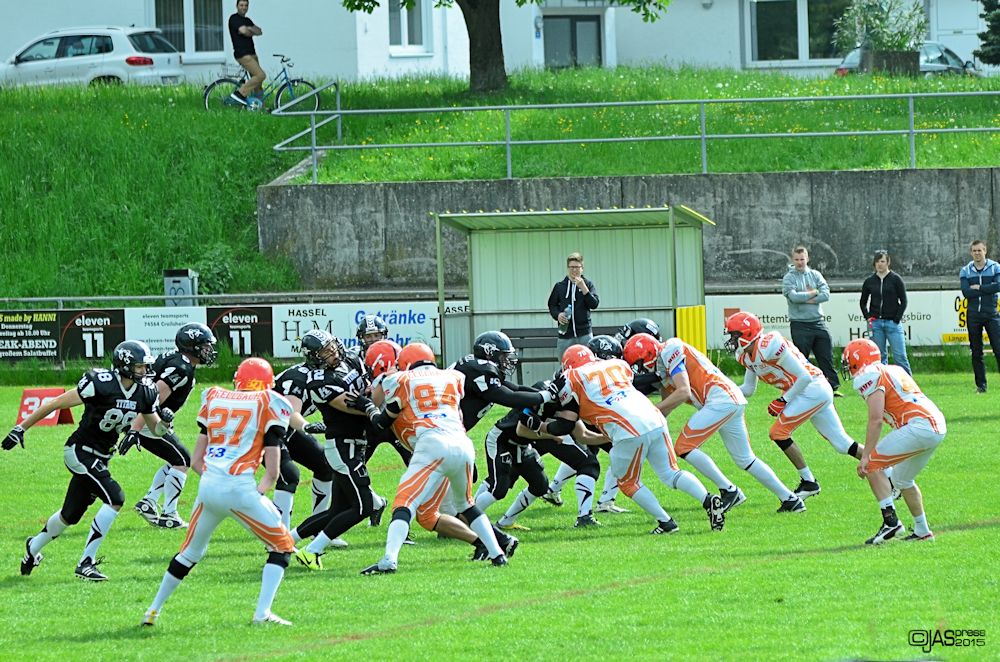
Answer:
(226, 426)
(428, 400)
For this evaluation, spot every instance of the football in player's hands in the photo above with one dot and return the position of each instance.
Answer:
(319, 427)
(13, 438)
(130, 440)
(776, 407)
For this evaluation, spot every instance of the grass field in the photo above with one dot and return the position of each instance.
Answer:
(798, 587)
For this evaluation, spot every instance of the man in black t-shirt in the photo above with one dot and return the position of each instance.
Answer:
(241, 32)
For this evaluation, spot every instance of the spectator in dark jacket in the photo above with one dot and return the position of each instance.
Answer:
(573, 290)
(883, 302)
(980, 284)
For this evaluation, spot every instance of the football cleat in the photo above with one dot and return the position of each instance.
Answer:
(586, 520)
(148, 511)
(309, 559)
(170, 521)
(480, 553)
(383, 567)
(409, 539)
(376, 517)
(30, 561)
(913, 537)
(88, 570)
(149, 618)
(513, 526)
(553, 497)
(338, 542)
(716, 513)
(511, 546)
(792, 504)
(270, 618)
(886, 532)
(610, 507)
(499, 560)
(731, 498)
(806, 489)
(670, 526)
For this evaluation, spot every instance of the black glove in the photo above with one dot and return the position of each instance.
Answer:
(13, 438)
(530, 420)
(166, 415)
(550, 393)
(315, 428)
(130, 440)
(361, 403)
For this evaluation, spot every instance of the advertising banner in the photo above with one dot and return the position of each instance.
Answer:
(246, 329)
(90, 334)
(157, 327)
(29, 334)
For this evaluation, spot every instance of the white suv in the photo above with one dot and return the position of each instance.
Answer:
(95, 55)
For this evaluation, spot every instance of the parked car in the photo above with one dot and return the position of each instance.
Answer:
(88, 55)
(935, 59)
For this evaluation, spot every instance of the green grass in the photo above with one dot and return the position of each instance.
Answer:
(768, 587)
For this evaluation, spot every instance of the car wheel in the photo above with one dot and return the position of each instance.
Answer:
(106, 80)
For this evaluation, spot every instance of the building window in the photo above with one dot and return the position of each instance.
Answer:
(406, 26)
(572, 41)
(798, 30)
(192, 26)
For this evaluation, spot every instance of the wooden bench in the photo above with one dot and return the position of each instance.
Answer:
(543, 338)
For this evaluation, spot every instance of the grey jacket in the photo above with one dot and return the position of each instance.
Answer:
(794, 286)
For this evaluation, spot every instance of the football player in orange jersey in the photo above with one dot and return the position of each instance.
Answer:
(918, 427)
(687, 375)
(238, 429)
(806, 394)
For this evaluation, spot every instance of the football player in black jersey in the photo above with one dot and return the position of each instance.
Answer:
(300, 446)
(112, 399)
(173, 375)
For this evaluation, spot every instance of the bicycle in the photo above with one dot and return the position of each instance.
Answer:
(283, 88)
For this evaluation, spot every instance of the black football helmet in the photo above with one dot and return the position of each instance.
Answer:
(321, 350)
(606, 347)
(641, 325)
(128, 356)
(496, 347)
(197, 340)
(371, 324)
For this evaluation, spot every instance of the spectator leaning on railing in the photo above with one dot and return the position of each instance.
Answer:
(883, 302)
(980, 284)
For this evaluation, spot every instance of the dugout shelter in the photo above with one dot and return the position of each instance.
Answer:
(644, 262)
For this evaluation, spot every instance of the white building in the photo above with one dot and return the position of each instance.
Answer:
(327, 41)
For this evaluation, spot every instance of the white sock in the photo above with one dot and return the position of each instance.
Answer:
(167, 587)
(585, 488)
(322, 491)
(98, 529)
(707, 467)
(394, 538)
(563, 474)
(172, 490)
(610, 487)
(806, 474)
(482, 528)
(647, 501)
(688, 484)
(283, 501)
(156, 488)
(523, 500)
(920, 525)
(886, 502)
(50, 532)
(766, 477)
(319, 543)
(269, 582)
(296, 538)
(484, 498)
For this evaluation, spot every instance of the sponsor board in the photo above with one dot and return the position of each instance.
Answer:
(157, 327)
(91, 333)
(246, 329)
(29, 334)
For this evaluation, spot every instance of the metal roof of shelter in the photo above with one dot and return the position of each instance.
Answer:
(531, 219)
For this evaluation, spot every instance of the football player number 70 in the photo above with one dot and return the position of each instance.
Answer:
(612, 375)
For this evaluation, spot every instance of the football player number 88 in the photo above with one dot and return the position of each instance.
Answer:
(116, 419)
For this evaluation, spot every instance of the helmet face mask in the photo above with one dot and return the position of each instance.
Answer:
(743, 329)
(321, 350)
(381, 357)
(858, 355)
(641, 352)
(133, 360)
(371, 329)
(197, 340)
(496, 347)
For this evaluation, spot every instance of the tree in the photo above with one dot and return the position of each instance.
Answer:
(482, 21)
(990, 40)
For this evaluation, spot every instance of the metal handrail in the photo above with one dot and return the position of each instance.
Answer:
(313, 125)
(703, 136)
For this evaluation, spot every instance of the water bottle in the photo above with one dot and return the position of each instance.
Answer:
(569, 315)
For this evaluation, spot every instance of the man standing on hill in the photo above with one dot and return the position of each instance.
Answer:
(570, 303)
(805, 290)
(241, 32)
(980, 284)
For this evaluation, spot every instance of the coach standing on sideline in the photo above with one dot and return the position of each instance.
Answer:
(886, 293)
(980, 284)
(805, 290)
(576, 291)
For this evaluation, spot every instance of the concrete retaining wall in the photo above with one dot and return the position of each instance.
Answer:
(382, 235)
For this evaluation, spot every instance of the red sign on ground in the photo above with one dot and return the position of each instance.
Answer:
(33, 398)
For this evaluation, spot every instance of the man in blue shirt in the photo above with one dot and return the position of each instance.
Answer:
(980, 284)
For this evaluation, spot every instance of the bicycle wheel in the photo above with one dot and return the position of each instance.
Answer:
(294, 89)
(217, 92)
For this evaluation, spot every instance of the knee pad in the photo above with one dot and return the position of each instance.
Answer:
(471, 514)
(783, 444)
(179, 569)
(402, 513)
(72, 517)
(592, 469)
(854, 450)
(181, 450)
(684, 445)
(323, 474)
(117, 495)
(279, 559)
(428, 520)
(630, 487)
(288, 478)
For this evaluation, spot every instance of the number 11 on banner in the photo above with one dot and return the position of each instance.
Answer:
(240, 340)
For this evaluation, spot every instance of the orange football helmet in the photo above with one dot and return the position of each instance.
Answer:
(742, 328)
(858, 355)
(381, 356)
(641, 351)
(254, 375)
(576, 356)
(413, 355)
